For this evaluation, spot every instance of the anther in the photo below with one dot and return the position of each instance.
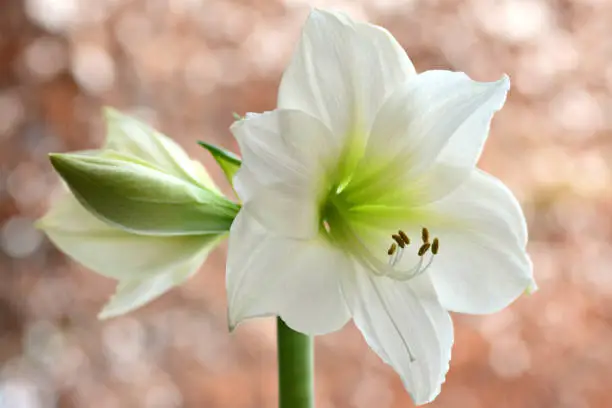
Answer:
(404, 237)
(425, 235)
(424, 248)
(392, 249)
(435, 246)
(399, 240)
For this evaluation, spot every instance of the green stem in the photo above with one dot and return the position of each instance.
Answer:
(295, 368)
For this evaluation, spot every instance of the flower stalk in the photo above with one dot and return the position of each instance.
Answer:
(295, 367)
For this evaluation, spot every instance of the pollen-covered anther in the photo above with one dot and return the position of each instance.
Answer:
(424, 248)
(425, 235)
(400, 241)
(404, 237)
(392, 249)
(435, 246)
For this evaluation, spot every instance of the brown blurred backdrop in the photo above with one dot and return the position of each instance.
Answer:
(185, 66)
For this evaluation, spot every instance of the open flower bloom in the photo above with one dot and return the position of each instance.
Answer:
(361, 199)
(92, 227)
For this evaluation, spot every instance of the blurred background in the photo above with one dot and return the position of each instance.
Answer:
(184, 66)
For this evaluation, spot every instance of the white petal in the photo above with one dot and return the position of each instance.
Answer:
(297, 280)
(113, 252)
(434, 127)
(400, 320)
(342, 71)
(482, 265)
(132, 293)
(287, 158)
(466, 114)
(130, 136)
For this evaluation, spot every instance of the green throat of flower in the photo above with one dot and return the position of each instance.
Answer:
(357, 228)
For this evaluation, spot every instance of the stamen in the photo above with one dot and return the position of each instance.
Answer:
(399, 240)
(424, 248)
(398, 257)
(369, 260)
(425, 235)
(435, 246)
(363, 254)
(396, 251)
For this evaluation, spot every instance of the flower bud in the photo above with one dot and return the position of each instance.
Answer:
(136, 196)
(143, 212)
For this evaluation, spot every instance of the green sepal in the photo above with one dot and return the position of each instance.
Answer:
(228, 161)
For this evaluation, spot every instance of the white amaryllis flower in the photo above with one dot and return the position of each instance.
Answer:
(139, 210)
(363, 155)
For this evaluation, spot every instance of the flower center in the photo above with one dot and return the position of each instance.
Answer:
(361, 239)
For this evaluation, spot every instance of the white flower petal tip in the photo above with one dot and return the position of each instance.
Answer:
(233, 320)
(244, 120)
(231, 326)
(504, 82)
(234, 323)
(532, 288)
(503, 87)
